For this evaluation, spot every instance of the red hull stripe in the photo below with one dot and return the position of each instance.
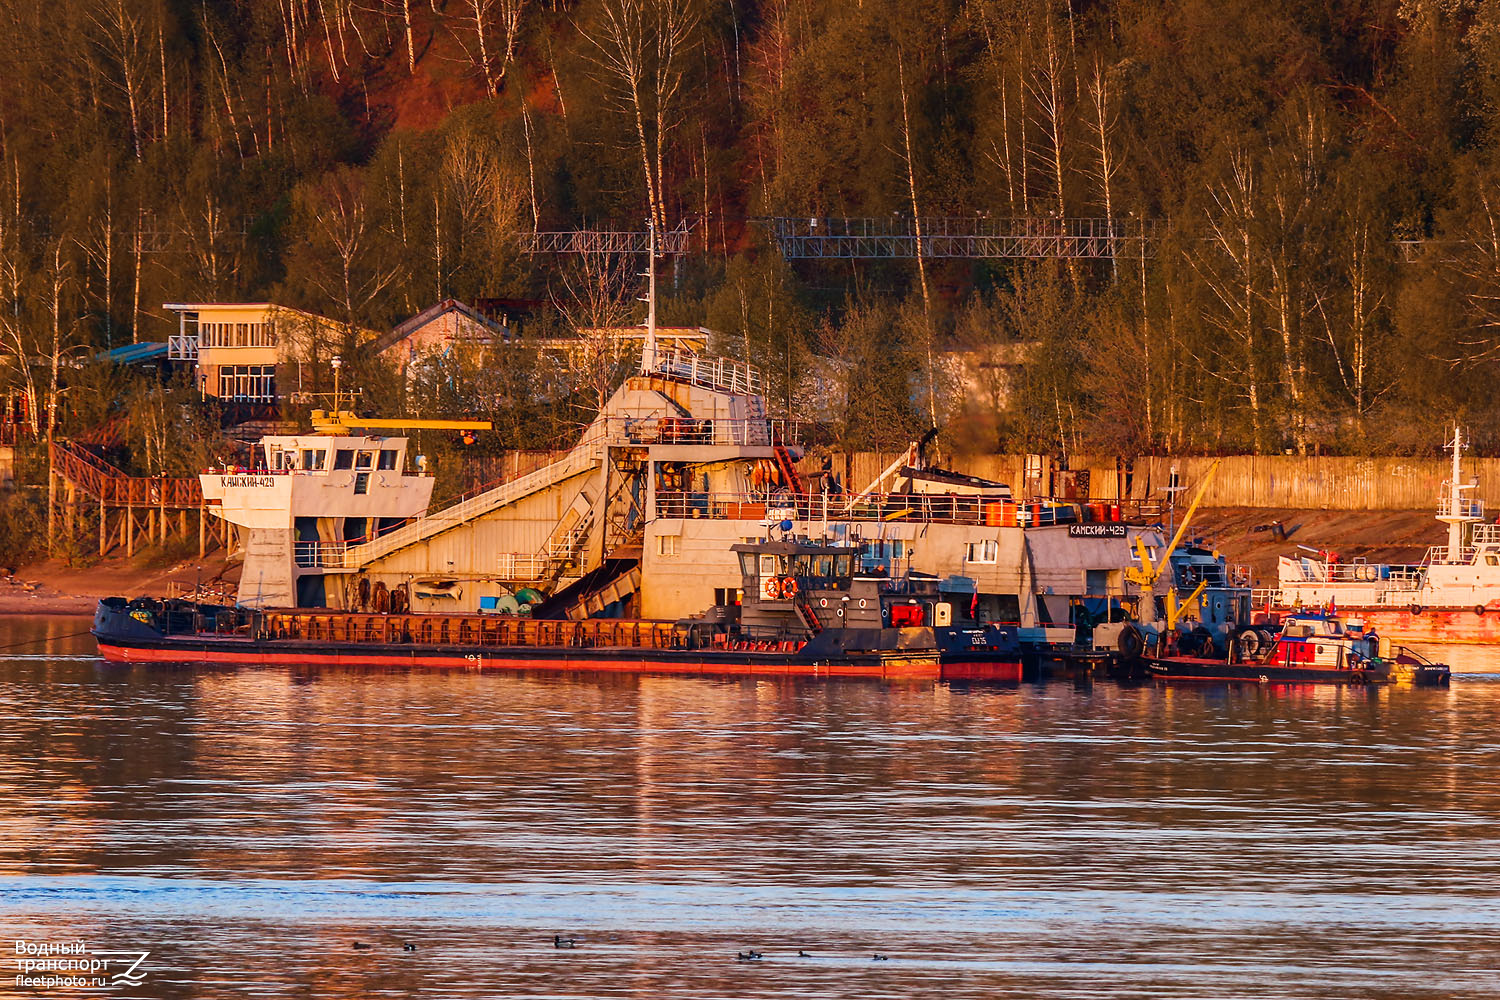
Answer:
(516, 659)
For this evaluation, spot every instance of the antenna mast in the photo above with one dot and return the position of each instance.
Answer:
(648, 353)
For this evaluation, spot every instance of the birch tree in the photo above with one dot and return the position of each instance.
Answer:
(1226, 260)
(640, 48)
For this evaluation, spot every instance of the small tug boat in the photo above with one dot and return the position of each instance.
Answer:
(804, 612)
(1310, 648)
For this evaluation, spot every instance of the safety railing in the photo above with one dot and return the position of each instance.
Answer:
(695, 430)
(112, 487)
(947, 508)
(320, 554)
(519, 567)
(1312, 571)
(182, 348)
(1460, 508)
(1443, 554)
(1486, 534)
(723, 374)
(473, 505)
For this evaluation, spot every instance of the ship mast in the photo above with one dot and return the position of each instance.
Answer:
(1455, 509)
(648, 350)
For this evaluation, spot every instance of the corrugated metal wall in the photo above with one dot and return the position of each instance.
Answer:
(1248, 480)
(1242, 480)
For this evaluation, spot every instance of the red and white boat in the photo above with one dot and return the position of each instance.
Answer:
(1451, 596)
(1311, 648)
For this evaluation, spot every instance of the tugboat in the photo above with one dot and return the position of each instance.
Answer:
(804, 612)
(1311, 648)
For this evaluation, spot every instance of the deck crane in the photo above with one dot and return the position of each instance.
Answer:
(341, 421)
(1147, 575)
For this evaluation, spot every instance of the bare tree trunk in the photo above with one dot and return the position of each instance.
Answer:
(411, 48)
(1103, 125)
(916, 221)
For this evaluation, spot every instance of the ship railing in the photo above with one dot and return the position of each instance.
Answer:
(711, 373)
(1463, 508)
(471, 506)
(519, 567)
(752, 432)
(944, 508)
(990, 510)
(1443, 554)
(1486, 534)
(313, 555)
(202, 593)
(1353, 572)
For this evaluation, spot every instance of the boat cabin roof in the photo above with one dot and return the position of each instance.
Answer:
(791, 549)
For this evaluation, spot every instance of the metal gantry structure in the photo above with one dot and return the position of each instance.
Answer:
(604, 241)
(960, 237)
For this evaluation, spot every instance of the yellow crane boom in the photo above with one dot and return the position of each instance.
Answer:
(1147, 575)
(341, 421)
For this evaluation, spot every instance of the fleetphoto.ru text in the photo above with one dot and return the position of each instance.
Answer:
(71, 965)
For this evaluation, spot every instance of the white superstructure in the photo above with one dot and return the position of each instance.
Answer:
(1465, 573)
(310, 497)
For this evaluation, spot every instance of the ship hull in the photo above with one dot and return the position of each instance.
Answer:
(1421, 624)
(1184, 669)
(748, 664)
(124, 638)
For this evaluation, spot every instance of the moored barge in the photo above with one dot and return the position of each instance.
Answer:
(805, 613)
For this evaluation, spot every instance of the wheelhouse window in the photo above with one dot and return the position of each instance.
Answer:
(668, 545)
(388, 458)
(986, 550)
(364, 460)
(343, 458)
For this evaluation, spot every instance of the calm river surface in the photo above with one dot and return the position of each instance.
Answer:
(246, 826)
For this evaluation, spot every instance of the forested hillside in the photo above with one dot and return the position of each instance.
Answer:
(1319, 181)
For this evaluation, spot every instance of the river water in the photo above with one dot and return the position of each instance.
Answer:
(247, 826)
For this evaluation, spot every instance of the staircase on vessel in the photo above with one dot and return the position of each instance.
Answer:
(576, 461)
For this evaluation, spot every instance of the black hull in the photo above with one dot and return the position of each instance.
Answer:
(1187, 670)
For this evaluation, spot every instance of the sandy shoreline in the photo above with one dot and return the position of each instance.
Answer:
(52, 588)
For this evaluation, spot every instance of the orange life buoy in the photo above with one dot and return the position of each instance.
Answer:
(788, 587)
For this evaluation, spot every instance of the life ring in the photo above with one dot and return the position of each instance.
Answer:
(822, 602)
(788, 587)
(861, 602)
(1416, 609)
(1479, 610)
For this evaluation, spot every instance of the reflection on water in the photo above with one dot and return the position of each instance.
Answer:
(247, 826)
(1462, 657)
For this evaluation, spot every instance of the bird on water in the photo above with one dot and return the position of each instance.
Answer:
(558, 941)
(748, 956)
(408, 946)
(881, 958)
(361, 946)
